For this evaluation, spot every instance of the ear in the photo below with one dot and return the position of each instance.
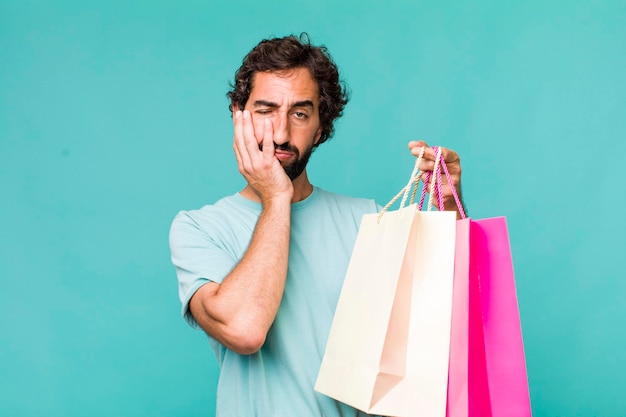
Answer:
(318, 135)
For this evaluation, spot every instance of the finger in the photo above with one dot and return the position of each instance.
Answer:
(238, 142)
(428, 168)
(268, 140)
(429, 153)
(236, 123)
(238, 157)
(428, 161)
(249, 138)
(449, 155)
(452, 163)
(427, 165)
(416, 146)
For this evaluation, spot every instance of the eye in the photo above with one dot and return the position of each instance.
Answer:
(263, 111)
(300, 115)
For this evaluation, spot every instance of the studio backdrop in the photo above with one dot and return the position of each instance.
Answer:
(113, 117)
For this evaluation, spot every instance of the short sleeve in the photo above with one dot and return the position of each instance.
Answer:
(198, 257)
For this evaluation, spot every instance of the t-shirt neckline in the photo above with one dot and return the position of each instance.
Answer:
(300, 205)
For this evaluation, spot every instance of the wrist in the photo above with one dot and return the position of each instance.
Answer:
(277, 199)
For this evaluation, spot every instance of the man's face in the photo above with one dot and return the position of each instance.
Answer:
(290, 100)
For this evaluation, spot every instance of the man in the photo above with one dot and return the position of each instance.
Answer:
(260, 271)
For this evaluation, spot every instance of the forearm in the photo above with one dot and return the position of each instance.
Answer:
(240, 310)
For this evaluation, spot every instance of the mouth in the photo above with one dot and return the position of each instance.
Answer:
(283, 155)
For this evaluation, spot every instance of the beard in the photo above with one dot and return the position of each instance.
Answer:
(294, 169)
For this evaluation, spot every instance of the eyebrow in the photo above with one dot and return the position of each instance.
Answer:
(265, 103)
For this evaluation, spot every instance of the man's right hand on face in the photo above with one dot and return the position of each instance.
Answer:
(260, 168)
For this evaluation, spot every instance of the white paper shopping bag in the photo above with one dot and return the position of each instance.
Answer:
(387, 351)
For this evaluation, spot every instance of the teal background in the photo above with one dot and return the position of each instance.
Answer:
(113, 117)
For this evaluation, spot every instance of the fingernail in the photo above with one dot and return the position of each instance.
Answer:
(246, 114)
(238, 114)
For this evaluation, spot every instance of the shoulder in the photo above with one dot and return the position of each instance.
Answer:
(344, 202)
(199, 217)
(212, 218)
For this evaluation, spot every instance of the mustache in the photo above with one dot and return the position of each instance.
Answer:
(283, 147)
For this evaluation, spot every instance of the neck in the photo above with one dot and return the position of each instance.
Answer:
(302, 188)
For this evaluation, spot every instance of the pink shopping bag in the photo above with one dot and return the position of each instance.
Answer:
(492, 287)
(457, 400)
(487, 369)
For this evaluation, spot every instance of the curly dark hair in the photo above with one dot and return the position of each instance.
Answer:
(292, 52)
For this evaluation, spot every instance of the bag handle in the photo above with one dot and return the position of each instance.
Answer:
(454, 193)
(436, 176)
(433, 180)
(416, 175)
(426, 175)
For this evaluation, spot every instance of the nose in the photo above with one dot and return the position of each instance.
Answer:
(281, 128)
